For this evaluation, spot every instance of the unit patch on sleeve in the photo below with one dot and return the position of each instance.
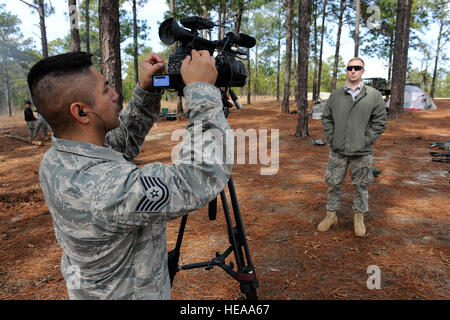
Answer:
(156, 195)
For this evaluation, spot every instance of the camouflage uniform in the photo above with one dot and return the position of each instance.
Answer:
(31, 128)
(40, 123)
(110, 216)
(361, 174)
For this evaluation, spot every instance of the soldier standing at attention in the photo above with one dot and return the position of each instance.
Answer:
(353, 118)
(110, 216)
(29, 118)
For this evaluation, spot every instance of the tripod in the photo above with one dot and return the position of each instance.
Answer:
(245, 273)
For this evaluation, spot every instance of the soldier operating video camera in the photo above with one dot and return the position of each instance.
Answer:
(231, 72)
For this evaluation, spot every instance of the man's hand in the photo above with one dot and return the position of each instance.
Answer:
(152, 64)
(199, 67)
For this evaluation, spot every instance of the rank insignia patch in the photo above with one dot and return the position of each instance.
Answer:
(156, 195)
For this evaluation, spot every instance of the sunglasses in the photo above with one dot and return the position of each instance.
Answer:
(357, 68)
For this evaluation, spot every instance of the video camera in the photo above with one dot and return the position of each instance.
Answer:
(231, 73)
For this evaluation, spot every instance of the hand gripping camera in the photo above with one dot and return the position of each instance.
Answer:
(231, 72)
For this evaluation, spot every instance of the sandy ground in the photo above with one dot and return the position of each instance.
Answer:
(408, 226)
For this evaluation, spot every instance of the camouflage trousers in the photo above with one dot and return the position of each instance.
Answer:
(31, 126)
(40, 124)
(361, 176)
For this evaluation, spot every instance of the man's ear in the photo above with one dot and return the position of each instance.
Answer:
(77, 111)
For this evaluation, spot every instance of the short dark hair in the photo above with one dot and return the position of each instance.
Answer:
(53, 88)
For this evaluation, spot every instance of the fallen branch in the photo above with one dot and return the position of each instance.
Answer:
(37, 143)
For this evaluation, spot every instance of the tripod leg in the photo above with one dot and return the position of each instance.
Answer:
(174, 255)
(245, 273)
(247, 287)
(231, 233)
(212, 209)
(239, 223)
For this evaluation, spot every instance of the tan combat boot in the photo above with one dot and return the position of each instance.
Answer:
(358, 222)
(329, 221)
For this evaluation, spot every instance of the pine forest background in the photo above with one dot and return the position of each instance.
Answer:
(287, 32)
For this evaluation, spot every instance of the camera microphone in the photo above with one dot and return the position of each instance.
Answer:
(241, 39)
(246, 41)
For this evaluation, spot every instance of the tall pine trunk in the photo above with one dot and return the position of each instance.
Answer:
(240, 11)
(7, 90)
(338, 44)
(135, 44)
(357, 19)
(400, 58)
(255, 81)
(221, 12)
(433, 81)
(287, 74)
(279, 54)
(391, 52)
(88, 39)
(74, 32)
(179, 98)
(294, 67)
(315, 62)
(304, 25)
(319, 80)
(110, 63)
(41, 11)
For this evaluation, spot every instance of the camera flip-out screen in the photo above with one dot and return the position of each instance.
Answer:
(161, 81)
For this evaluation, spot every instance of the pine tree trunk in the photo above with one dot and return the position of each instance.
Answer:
(304, 25)
(314, 93)
(255, 82)
(319, 80)
(7, 91)
(338, 44)
(279, 55)
(358, 14)
(400, 58)
(135, 44)
(278, 68)
(287, 74)
(110, 63)
(179, 98)
(43, 29)
(433, 81)
(221, 29)
(239, 13)
(88, 40)
(74, 32)
(391, 52)
(172, 8)
(294, 67)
